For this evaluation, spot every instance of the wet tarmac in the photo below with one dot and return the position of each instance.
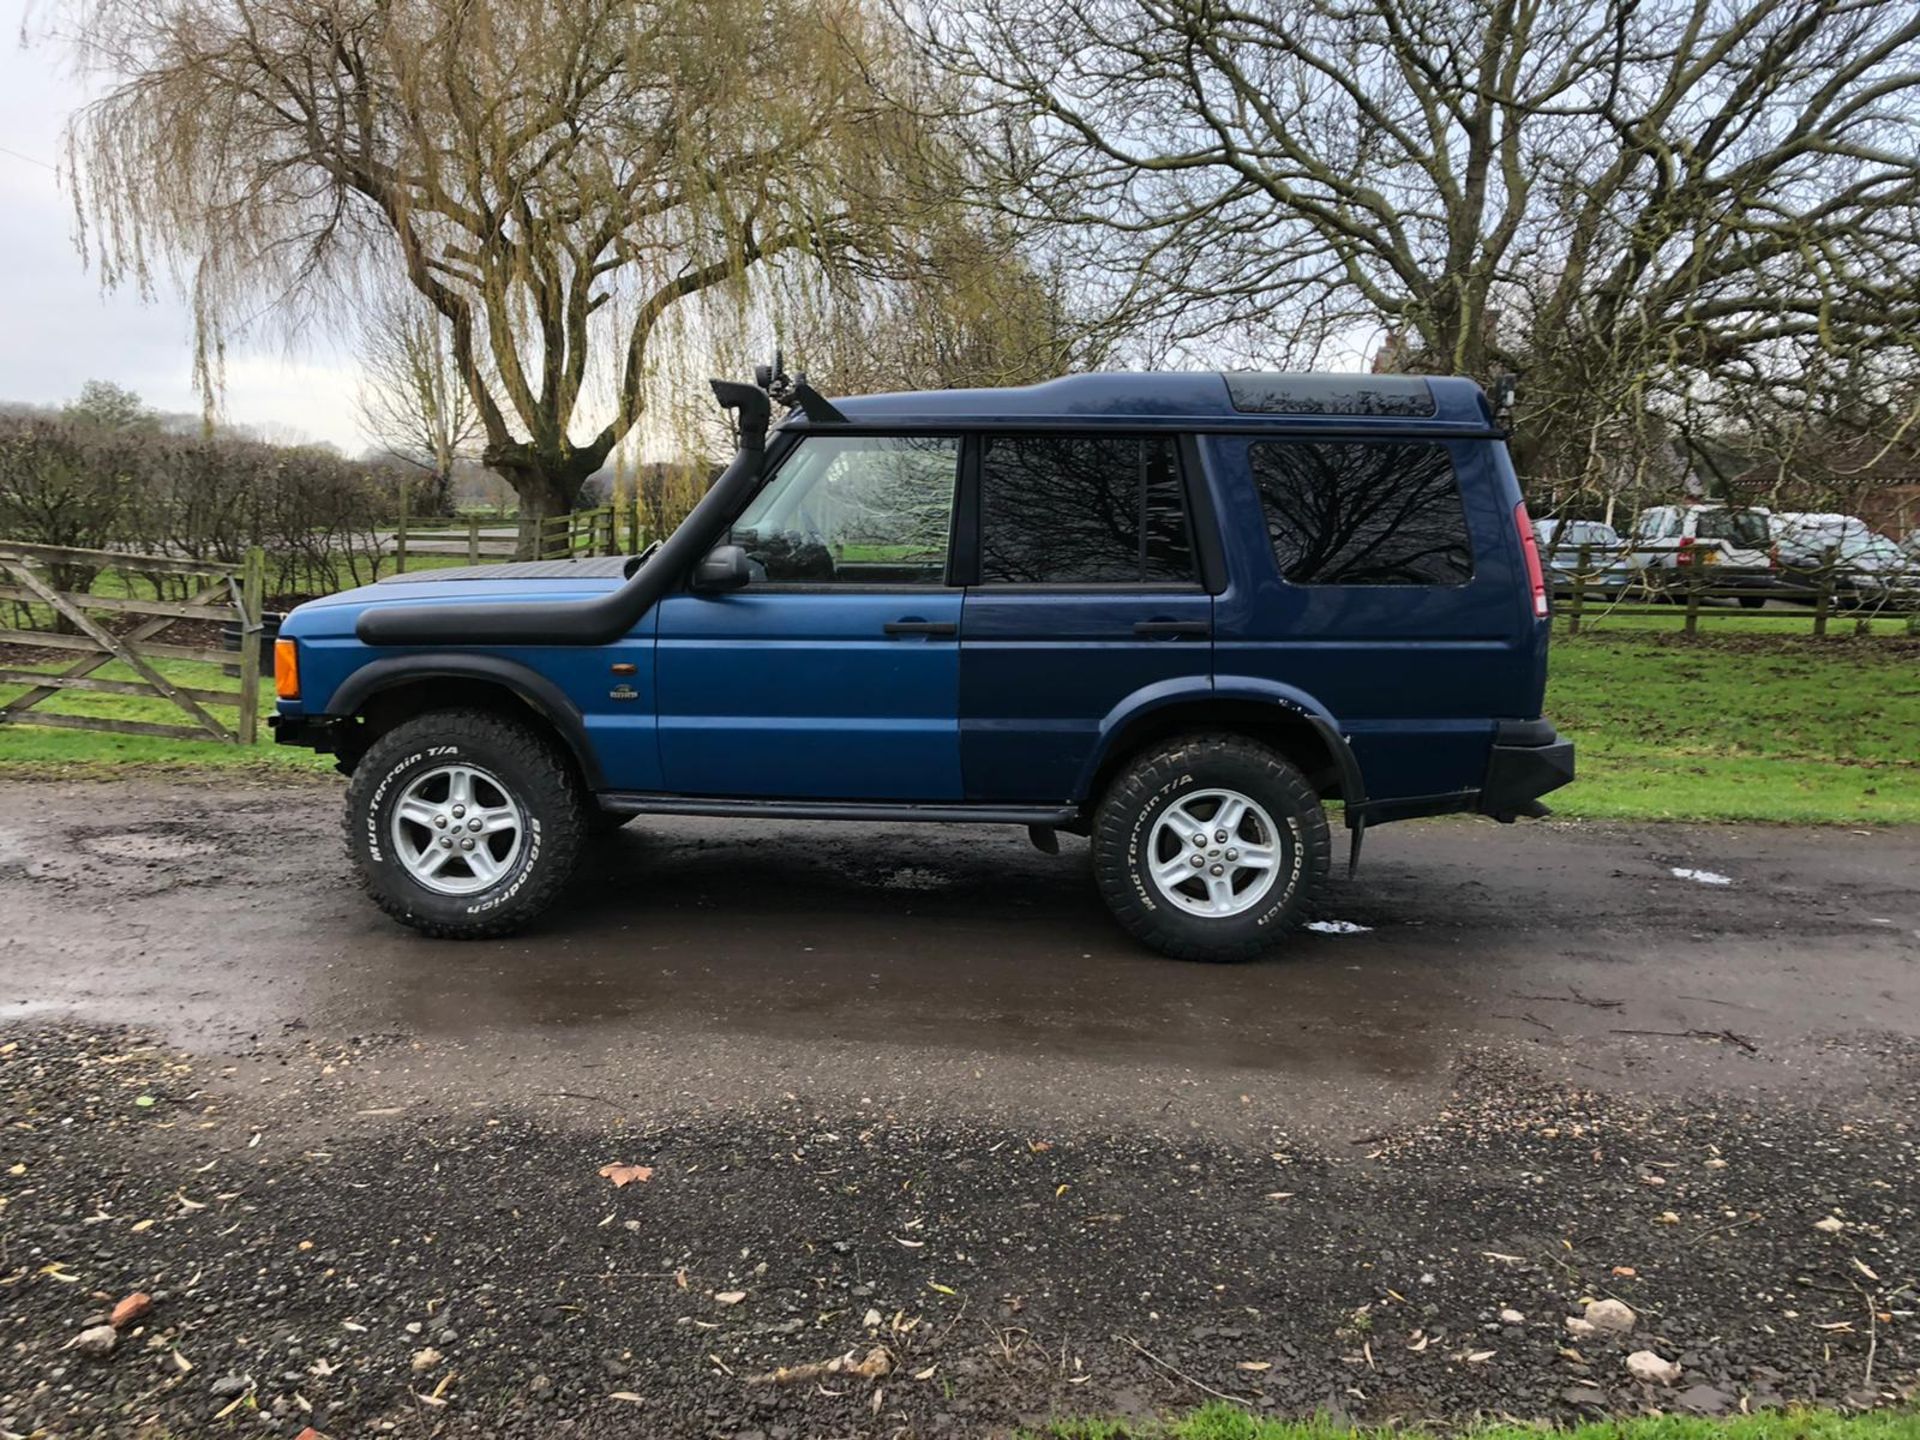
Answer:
(720, 964)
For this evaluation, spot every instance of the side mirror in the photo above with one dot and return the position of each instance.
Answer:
(725, 567)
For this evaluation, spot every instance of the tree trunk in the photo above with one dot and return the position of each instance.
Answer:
(547, 485)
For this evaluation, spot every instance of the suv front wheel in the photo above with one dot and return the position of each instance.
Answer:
(1210, 847)
(464, 824)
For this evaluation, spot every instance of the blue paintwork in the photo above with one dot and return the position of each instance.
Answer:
(1042, 673)
(800, 694)
(797, 693)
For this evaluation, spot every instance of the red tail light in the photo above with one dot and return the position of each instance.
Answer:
(1530, 547)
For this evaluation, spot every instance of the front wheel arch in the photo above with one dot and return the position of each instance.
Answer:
(391, 691)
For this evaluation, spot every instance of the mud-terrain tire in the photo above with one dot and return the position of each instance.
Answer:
(515, 775)
(1129, 841)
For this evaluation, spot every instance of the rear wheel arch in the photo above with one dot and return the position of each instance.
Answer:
(1308, 741)
(390, 692)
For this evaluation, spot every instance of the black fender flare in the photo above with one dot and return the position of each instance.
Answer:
(540, 694)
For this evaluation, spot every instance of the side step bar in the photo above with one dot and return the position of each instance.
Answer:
(634, 802)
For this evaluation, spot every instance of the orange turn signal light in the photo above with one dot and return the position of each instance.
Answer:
(286, 669)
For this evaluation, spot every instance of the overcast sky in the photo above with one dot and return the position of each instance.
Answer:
(58, 330)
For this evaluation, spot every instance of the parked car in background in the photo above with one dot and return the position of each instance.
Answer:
(1803, 541)
(1672, 541)
(1566, 544)
(1876, 572)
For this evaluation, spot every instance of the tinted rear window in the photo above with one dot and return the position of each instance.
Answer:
(1062, 510)
(1344, 512)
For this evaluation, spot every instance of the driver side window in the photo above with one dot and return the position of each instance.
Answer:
(855, 510)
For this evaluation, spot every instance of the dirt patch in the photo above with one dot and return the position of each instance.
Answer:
(465, 1270)
(146, 846)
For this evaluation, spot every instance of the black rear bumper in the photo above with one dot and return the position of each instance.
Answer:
(1529, 759)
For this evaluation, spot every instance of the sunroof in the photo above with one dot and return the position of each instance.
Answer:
(1270, 393)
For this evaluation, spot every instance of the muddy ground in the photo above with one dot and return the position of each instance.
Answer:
(907, 1097)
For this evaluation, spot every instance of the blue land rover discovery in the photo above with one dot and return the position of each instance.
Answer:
(1175, 613)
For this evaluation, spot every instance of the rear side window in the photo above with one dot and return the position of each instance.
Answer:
(1065, 510)
(1363, 512)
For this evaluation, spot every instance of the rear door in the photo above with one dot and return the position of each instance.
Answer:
(1384, 580)
(835, 674)
(1086, 590)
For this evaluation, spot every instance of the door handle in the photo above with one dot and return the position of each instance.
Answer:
(1172, 629)
(921, 627)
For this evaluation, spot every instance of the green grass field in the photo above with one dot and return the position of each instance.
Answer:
(1731, 725)
(1224, 1422)
(1739, 727)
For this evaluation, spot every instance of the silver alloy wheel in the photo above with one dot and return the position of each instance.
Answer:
(457, 830)
(1214, 853)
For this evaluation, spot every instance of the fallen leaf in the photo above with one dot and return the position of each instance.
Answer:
(1479, 1357)
(1625, 1272)
(730, 1297)
(426, 1359)
(926, 1374)
(1864, 1270)
(626, 1395)
(627, 1174)
(145, 1102)
(130, 1309)
(1255, 1365)
(943, 1289)
(1040, 1147)
(140, 1227)
(1832, 1225)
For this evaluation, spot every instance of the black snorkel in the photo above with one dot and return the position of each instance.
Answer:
(606, 617)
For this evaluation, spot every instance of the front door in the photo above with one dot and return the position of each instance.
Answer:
(1088, 594)
(835, 674)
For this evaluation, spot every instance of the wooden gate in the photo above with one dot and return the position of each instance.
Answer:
(84, 622)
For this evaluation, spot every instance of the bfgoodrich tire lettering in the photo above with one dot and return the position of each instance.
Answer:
(522, 763)
(1201, 766)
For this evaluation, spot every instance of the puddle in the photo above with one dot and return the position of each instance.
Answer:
(1701, 877)
(145, 845)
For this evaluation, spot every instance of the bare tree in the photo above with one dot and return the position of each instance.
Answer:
(412, 402)
(551, 179)
(1635, 204)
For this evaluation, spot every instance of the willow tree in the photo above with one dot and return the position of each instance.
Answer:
(1640, 206)
(552, 179)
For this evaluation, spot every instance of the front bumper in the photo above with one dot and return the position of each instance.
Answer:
(1529, 759)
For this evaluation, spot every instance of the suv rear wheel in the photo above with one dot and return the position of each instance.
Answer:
(464, 824)
(1210, 847)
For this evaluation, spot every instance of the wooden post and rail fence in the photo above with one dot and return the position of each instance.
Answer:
(1594, 591)
(479, 541)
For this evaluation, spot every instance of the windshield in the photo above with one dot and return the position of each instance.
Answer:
(1741, 528)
